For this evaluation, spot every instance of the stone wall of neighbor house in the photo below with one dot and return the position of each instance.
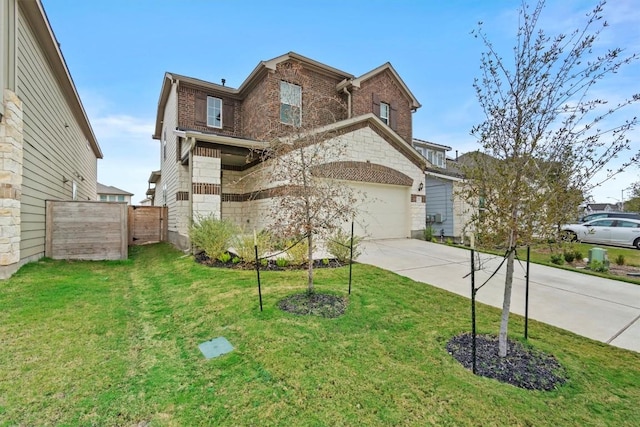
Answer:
(11, 139)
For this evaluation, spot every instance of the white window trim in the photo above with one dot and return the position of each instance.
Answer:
(287, 93)
(74, 190)
(210, 123)
(386, 108)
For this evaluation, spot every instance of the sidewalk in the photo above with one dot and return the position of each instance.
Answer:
(602, 309)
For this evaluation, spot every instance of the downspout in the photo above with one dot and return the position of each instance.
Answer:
(192, 146)
(346, 91)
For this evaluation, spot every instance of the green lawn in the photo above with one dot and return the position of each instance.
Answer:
(116, 343)
(541, 254)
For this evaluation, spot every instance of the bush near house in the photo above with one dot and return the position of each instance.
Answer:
(212, 235)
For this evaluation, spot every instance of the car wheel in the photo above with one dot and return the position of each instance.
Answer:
(637, 243)
(568, 236)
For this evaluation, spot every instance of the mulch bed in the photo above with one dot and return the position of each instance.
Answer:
(315, 304)
(271, 264)
(522, 367)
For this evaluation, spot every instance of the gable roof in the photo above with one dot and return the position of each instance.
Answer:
(264, 67)
(437, 146)
(381, 69)
(106, 189)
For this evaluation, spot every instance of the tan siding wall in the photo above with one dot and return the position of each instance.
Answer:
(54, 145)
(170, 167)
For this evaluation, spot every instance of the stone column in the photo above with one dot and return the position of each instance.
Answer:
(206, 182)
(11, 139)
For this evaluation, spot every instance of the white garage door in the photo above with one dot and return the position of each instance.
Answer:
(385, 212)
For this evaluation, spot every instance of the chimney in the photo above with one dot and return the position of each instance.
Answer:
(223, 81)
(456, 155)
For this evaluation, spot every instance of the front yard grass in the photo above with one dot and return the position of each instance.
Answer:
(116, 343)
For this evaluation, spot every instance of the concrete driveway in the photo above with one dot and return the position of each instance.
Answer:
(601, 309)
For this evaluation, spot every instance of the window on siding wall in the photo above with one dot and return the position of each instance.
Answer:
(436, 158)
(164, 144)
(214, 112)
(290, 104)
(74, 190)
(164, 195)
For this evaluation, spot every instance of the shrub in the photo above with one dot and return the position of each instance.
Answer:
(244, 244)
(235, 260)
(339, 244)
(557, 259)
(428, 233)
(578, 255)
(449, 241)
(212, 235)
(282, 262)
(224, 257)
(599, 266)
(299, 252)
(620, 259)
(569, 256)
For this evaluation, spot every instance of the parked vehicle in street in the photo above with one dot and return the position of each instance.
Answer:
(598, 215)
(605, 231)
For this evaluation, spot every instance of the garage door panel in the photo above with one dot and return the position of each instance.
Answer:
(385, 211)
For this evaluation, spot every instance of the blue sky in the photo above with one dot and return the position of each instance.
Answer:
(118, 50)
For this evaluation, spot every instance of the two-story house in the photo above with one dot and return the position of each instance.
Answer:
(47, 145)
(108, 193)
(210, 135)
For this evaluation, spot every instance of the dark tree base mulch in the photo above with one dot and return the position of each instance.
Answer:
(322, 305)
(271, 264)
(522, 367)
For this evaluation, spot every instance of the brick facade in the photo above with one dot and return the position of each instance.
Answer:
(256, 114)
(385, 86)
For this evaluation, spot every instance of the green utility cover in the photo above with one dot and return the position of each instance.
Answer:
(215, 347)
(598, 254)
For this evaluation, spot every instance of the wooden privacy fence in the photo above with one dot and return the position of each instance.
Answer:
(147, 224)
(94, 230)
(86, 230)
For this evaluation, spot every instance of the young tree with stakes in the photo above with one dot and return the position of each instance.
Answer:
(306, 203)
(544, 138)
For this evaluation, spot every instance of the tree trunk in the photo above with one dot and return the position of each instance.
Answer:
(503, 346)
(310, 289)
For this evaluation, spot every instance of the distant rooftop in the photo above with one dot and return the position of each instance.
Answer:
(106, 189)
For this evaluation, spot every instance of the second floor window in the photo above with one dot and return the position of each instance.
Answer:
(290, 104)
(384, 112)
(436, 158)
(214, 112)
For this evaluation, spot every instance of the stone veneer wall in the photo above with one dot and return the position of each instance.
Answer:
(206, 182)
(11, 139)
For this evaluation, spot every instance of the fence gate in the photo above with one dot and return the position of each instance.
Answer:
(147, 224)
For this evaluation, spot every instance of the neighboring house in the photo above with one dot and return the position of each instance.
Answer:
(208, 133)
(601, 207)
(447, 213)
(436, 154)
(146, 202)
(113, 194)
(49, 150)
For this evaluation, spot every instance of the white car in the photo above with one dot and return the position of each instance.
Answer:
(606, 231)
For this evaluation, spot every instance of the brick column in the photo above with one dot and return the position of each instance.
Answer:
(206, 182)
(11, 138)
